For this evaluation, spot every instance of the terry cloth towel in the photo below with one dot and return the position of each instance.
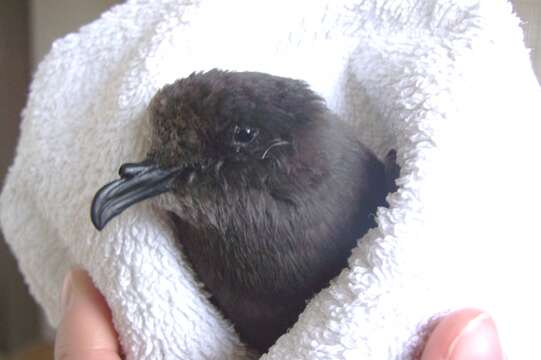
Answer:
(447, 83)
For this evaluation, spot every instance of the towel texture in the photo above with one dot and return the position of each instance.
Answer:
(448, 83)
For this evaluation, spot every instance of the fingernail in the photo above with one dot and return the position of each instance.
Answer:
(66, 291)
(478, 340)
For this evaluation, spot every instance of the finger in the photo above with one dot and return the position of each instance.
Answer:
(467, 334)
(86, 331)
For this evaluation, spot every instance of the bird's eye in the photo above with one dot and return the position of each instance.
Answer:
(244, 134)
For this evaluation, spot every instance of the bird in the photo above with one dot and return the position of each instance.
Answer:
(265, 189)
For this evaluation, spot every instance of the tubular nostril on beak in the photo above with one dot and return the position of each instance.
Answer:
(129, 170)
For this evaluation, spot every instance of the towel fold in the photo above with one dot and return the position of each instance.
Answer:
(447, 83)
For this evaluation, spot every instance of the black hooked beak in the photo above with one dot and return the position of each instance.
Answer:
(138, 181)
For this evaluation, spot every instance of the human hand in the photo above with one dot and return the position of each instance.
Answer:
(86, 331)
(468, 334)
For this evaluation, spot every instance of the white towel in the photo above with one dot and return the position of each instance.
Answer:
(448, 83)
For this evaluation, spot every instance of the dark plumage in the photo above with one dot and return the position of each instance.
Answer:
(270, 192)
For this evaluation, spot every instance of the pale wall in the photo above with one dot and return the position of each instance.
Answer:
(51, 19)
(530, 13)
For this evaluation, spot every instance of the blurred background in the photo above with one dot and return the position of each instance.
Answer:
(27, 29)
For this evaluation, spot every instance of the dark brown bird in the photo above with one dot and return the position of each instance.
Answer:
(270, 192)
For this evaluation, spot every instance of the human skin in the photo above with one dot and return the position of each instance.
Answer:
(86, 331)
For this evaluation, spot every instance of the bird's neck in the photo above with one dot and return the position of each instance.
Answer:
(251, 245)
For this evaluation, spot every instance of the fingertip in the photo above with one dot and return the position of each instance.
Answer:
(86, 330)
(464, 334)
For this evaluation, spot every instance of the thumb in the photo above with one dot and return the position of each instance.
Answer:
(467, 334)
(86, 331)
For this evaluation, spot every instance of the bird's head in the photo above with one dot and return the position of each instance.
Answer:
(217, 127)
